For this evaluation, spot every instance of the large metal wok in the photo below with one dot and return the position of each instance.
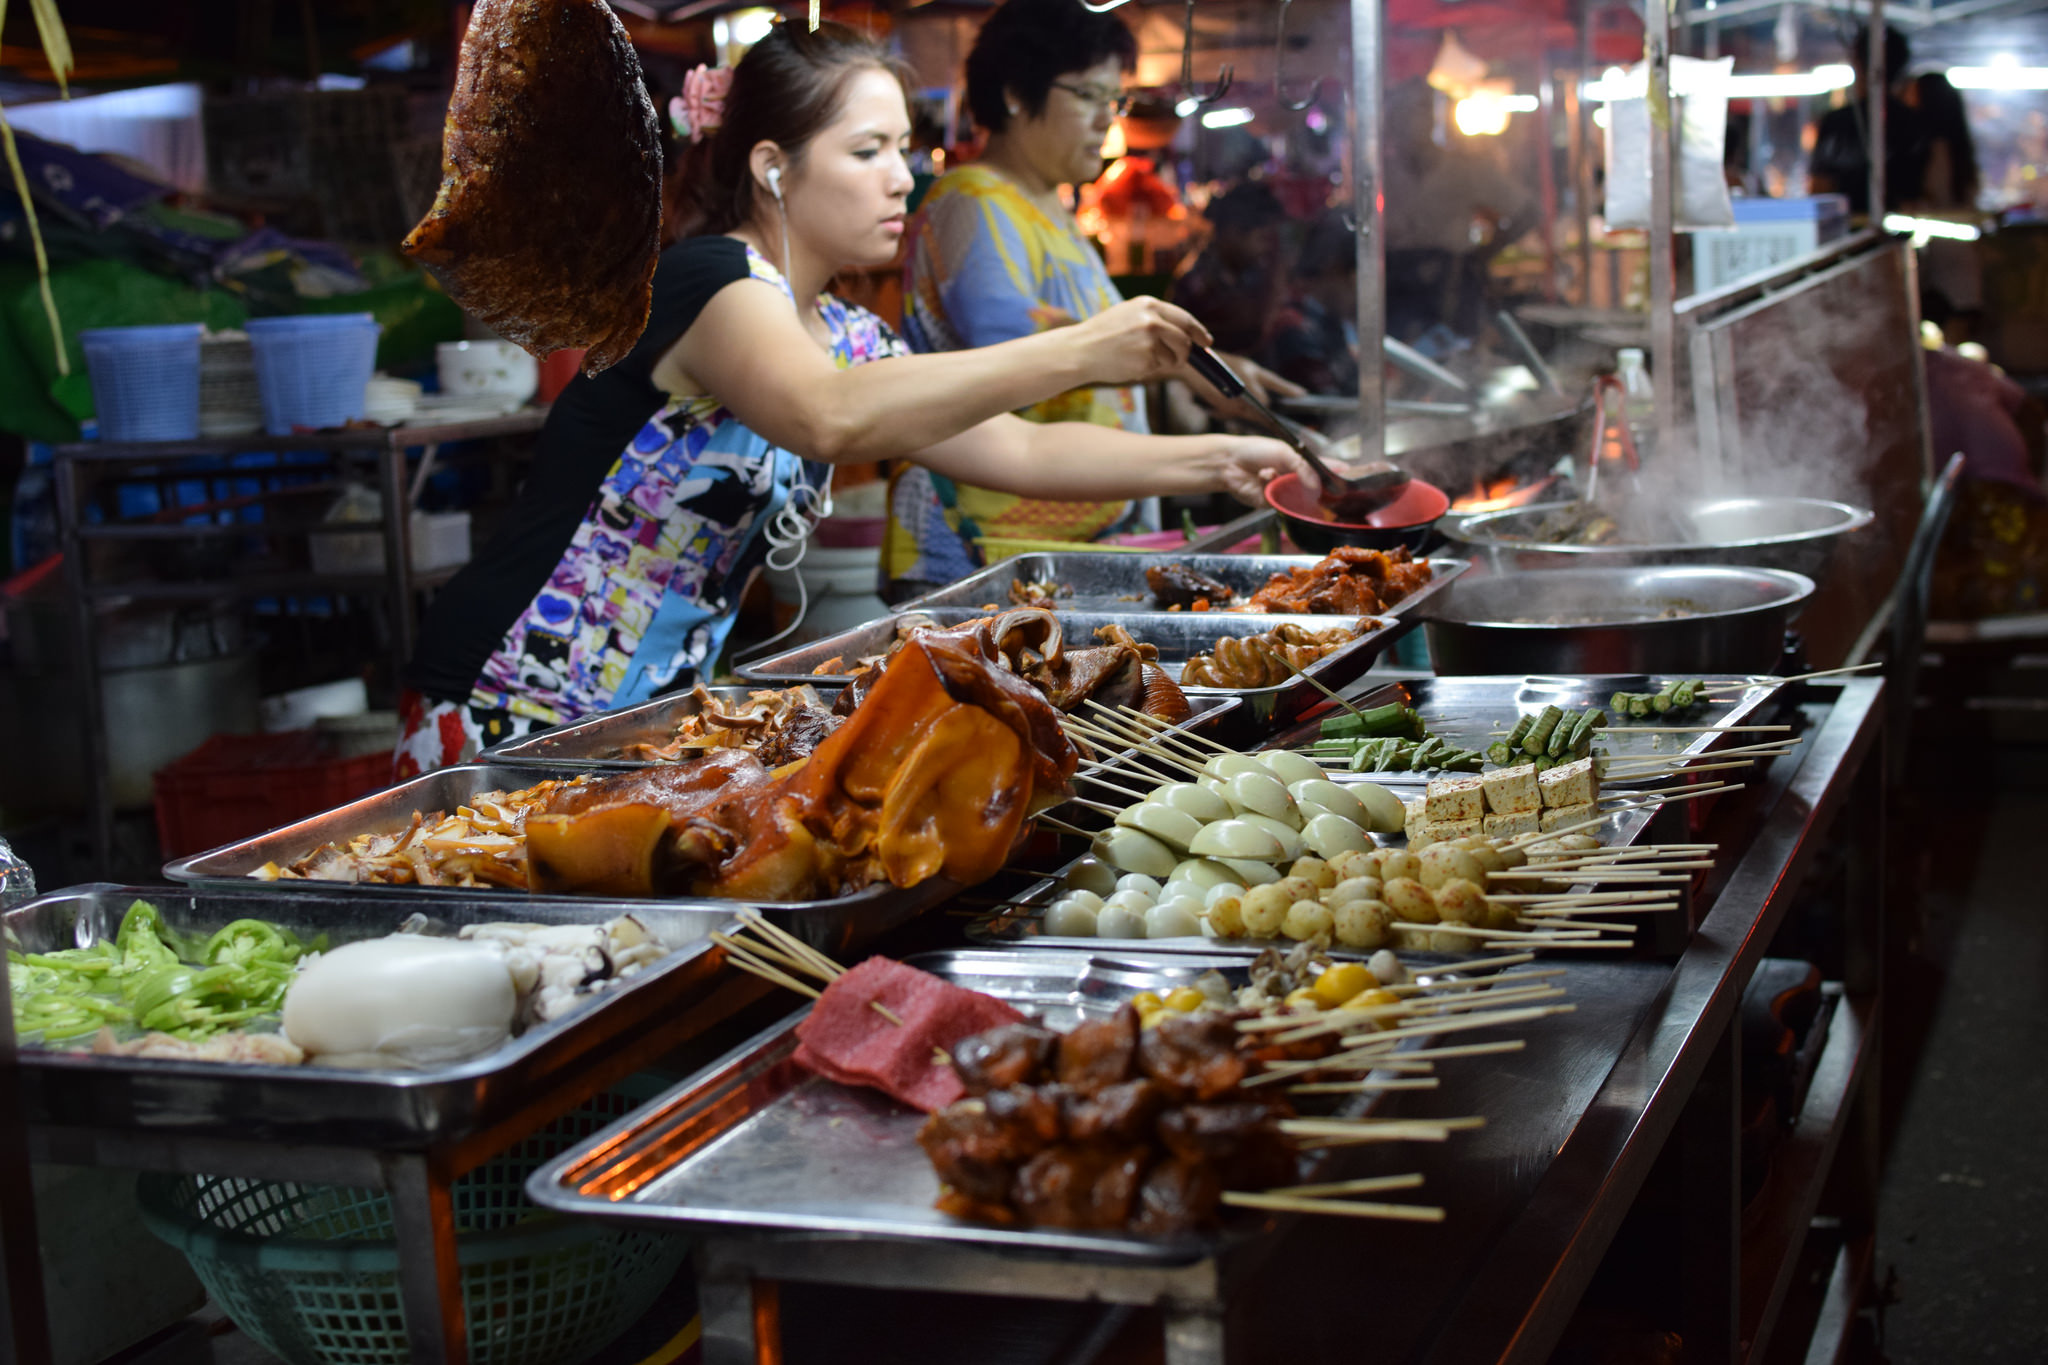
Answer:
(1693, 620)
(1798, 534)
(1496, 431)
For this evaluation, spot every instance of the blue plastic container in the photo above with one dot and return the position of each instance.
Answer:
(145, 381)
(311, 370)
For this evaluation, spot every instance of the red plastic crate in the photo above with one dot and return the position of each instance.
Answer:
(234, 786)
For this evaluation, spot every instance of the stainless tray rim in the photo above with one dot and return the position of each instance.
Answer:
(1444, 570)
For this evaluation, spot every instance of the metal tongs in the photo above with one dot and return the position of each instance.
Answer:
(1348, 495)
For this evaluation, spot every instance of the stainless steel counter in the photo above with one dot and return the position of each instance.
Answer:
(1535, 1199)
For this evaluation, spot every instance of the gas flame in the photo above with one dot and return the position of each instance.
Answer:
(1500, 494)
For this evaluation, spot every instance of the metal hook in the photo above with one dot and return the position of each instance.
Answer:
(1315, 88)
(1103, 9)
(1187, 67)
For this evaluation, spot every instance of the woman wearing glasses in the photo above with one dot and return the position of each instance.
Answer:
(995, 255)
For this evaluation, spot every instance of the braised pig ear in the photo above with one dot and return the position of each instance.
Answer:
(548, 220)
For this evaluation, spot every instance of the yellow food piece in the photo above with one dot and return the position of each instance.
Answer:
(1147, 1002)
(1306, 918)
(1186, 999)
(1314, 870)
(1342, 982)
(1226, 917)
(1303, 999)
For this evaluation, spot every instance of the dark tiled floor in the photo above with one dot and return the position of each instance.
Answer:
(1961, 1228)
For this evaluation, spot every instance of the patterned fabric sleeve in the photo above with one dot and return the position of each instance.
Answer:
(993, 279)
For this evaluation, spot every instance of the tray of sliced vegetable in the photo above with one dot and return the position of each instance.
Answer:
(1405, 731)
(270, 1014)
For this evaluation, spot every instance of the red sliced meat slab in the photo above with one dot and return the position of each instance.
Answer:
(845, 1037)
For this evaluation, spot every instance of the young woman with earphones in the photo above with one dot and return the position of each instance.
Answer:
(662, 483)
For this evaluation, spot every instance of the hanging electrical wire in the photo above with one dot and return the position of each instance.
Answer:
(57, 51)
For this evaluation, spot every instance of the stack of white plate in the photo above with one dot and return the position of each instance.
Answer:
(391, 401)
(229, 403)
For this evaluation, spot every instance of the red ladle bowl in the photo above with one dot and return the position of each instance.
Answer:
(1405, 521)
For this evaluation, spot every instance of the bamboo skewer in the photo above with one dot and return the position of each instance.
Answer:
(747, 962)
(1371, 1184)
(1282, 1203)
(1364, 1087)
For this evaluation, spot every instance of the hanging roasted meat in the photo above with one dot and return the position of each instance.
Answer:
(548, 220)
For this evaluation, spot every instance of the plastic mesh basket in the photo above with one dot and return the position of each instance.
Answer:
(145, 381)
(311, 371)
(310, 1271)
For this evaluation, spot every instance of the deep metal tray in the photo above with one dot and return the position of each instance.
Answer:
(1178, 636)
(596, 743)
(1020, 923)
(835, 925)
(1472, 712)
(600, 741)
(754, 1140)
(1109, 582)
(325, 1104)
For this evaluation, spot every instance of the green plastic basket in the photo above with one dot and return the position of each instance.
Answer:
(310, 1272)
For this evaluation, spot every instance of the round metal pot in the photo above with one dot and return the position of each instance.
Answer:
(1797, 534)
(1608, 620)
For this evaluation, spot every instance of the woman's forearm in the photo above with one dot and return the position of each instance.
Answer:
(1078, 461)
(891, 409)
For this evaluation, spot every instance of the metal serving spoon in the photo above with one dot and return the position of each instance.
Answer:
(1348, 495)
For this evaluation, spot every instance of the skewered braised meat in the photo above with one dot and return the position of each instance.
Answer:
(1350, 581)
(1107, 1127)
(548, 221)
(1268, 658)
(1177, 585)
(1004, 1057)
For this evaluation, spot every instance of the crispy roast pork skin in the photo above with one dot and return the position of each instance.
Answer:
(548, 221)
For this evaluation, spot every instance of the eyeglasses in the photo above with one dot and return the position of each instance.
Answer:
(1114, 100)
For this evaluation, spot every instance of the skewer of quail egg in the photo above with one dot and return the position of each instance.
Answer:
(1206, 858)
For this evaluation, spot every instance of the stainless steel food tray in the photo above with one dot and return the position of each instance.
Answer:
(600, 741)
(754, 1140)
(835, 925)
(327, 1105)
(1178, 635)
(1110, 582)
(1474, 711)
(1020, 923)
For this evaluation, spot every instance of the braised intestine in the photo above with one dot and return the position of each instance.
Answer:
(1268, 658)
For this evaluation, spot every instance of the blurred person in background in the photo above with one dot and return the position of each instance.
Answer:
(1315, 333)
(1840, 163)
(1948, 154)
(995, 255)
(1234, 283)
(1449, 212)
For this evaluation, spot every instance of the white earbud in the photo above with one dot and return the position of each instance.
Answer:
(775, 182)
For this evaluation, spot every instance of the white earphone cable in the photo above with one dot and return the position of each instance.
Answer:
(788, 532)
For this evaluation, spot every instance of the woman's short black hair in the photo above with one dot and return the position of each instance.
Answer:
(1026, 45)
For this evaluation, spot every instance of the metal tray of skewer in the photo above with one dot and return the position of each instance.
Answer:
(1177, 635)
(330, 1105)
(834, 925)
(1472, 712)
(755, 1140)
(603, 741)
(1020, 923)
(1104, 581)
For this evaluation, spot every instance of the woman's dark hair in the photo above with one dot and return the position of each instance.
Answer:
(1026, 45)
(1944, 118)
(786, 89)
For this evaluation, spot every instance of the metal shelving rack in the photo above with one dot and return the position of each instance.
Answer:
(386, 451)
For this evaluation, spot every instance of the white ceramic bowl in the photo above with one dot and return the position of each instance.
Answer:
(497, 371)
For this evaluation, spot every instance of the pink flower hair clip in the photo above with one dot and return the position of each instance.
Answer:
(699, 110)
